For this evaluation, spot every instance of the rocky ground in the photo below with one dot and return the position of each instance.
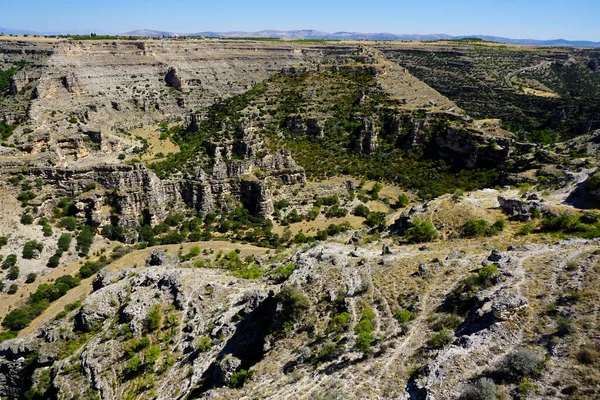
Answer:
(293, 220)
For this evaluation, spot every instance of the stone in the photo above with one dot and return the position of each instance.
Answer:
(504, 306)
(495, 256)
(157, 257)
(174, 80)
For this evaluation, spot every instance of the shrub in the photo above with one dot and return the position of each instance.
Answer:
(364, 330)
(588, 356)
(9, 261)
(89, 268)
(26, 219)
(30, 247)
(421, 231)
(487, 275)
(238, 379)
(64, 241)
(520, 364)
(402, 201)
(526, 229)
(3, 241)
(13, 289)
(47, 230)
(31, 277)
(154, 318)
(404, 316)
(564, 324)
(134, 364)
(563, 222)
(339, 322)
(375, 219)
(441, 339)
(85, 239)
(69, 223)
(13, 273)
(16, 320)
(53, 261)
(152, 354)
(361, 211)
(483, 389)
(204, 344)
(294, 302)
(479, 227)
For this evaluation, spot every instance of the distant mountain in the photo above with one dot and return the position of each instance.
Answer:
(314, 34)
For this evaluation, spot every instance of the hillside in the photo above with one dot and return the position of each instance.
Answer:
(298, 219)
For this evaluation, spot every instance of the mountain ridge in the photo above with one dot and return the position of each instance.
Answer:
(313, 34)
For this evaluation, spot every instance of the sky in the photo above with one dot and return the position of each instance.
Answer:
(531, 19)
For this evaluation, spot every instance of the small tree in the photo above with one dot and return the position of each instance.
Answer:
(483, 389)
(154, 318)
(294, 302)
(421, 231)
(520, 364)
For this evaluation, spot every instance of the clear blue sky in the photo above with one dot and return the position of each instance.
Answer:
(535, 19)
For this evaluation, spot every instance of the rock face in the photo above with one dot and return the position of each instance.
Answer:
(366, 142)
(71, 83)
(19, 81)
(174, 80)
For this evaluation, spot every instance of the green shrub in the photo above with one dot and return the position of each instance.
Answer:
(153, 318)
(404, 316)
(9, 261)
(13, 273)
(482, 389)
(402, 201)
(479, 227)
(85, 239)
(3, 241)
(47, 230)
(238, 379)
(134, 364)
(152, 354)
(520, 364)
(564, 222)
(31, 277)
(69, 223)
(361, 211)
(16, 320)
(13, 289)
(375, 219)
(89, 268)
(340, 322)
(441, 339)
(30, 248)
(53, 261)
(487, 275)
(204, 344)
(294, 302)
(26, 219)
(421, 231)
(64, 241)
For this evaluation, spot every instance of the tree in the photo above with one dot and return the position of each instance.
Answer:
(294, 302)
(421, 231)
(31, 277)
(30, 248)
(154, 318)
(13, 273)
(85, 240)
(64, 241)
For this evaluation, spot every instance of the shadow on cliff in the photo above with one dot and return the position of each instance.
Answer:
(247, 344)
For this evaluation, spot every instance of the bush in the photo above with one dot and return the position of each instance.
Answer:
(479, 227)
(134, 364)
(520, 364)
(204, 344)
(26, 219)
(441, 339)
(421, 231)
(53, 261)
(47, 230)
(13, 273)
(340, 322)
(402, 201)
(64, 241)
(3, 241)
(85, 239)
(364, 330)
(69, 223)
(238, 379)
(563, 222)
(9, 261)
(89, 268)
(152, 354)
(361, 211)
(31, 277)
(16, 320)
(487, 275)
(29, 249)
(483, 389)
(404, 316)
(13, 289)
(294, 302)
(154, 318)
(375, 219)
